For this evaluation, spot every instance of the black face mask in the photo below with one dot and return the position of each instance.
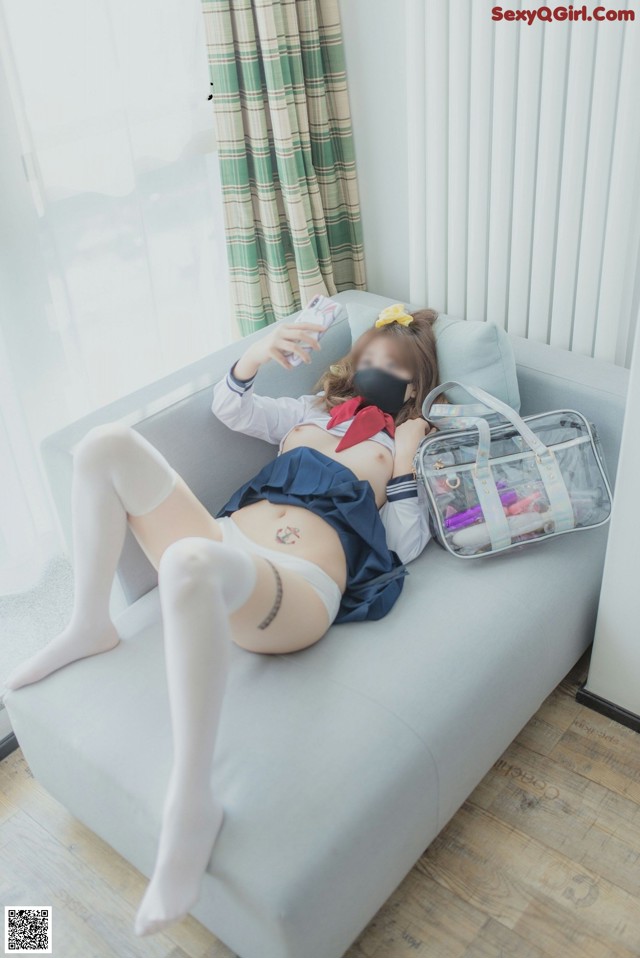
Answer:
(381, 388)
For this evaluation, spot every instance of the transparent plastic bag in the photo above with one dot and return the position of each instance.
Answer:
(521, 491)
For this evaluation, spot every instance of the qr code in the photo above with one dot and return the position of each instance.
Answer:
(27, 930)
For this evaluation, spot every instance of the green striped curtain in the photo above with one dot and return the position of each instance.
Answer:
(285, 145)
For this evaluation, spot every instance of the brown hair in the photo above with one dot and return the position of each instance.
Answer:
(417, 350)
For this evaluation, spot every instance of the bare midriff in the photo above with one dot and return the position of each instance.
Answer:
(299, 531)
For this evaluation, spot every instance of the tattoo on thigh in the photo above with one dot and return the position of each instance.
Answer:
(288, 535)
(278, 599)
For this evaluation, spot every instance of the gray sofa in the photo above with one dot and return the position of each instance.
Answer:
(338, 764)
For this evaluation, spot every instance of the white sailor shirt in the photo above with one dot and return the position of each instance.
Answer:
(404, 514)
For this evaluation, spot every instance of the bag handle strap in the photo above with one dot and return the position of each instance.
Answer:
(455, 409)
(548, 468)
(431, 410)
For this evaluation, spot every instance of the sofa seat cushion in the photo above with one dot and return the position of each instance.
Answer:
(320, 784)
(472, 648)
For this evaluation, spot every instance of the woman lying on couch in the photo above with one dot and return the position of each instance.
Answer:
(321, 534)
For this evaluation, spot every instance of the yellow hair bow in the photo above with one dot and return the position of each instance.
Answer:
(394, 314)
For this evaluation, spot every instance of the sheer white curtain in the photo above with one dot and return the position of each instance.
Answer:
(113, 267)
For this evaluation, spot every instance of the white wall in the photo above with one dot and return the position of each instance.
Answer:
(374, 40)
(614, 667)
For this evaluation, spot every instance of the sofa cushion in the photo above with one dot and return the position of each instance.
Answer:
(336, 764)
(329, 797)
(468, 350)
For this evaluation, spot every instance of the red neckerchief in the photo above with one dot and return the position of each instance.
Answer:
(367, 421)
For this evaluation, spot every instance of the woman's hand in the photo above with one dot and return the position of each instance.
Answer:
(283, 337)
(408, 436)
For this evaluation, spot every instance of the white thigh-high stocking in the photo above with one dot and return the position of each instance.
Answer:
(201, 582)
(115, 471)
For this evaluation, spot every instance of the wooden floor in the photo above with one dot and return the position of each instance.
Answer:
(541, 861)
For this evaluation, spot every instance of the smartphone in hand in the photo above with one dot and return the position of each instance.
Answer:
(321, 310)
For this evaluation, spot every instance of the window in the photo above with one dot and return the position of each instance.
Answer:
(113, 267)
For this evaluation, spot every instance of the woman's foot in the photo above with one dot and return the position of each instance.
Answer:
(190, 825)
(71, 644)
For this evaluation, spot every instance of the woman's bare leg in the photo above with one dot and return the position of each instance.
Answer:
(179, 515)
(115, 471)
(210, 592)
(303, 617)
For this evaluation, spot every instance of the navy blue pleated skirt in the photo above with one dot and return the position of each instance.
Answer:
(306, 477)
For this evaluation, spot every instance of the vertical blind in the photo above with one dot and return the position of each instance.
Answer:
(523, 151)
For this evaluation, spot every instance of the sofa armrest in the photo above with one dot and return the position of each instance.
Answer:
(553, 378)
